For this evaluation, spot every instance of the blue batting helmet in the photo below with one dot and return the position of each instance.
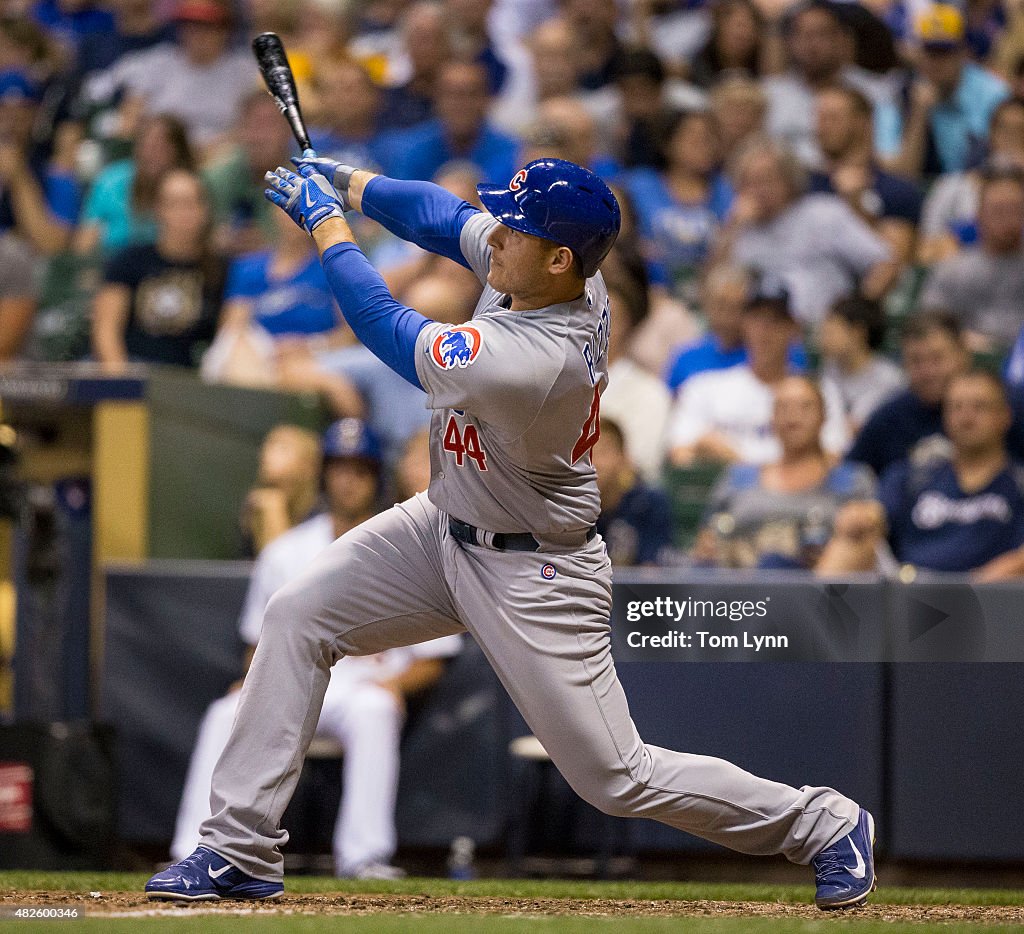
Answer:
(562, 202)
(350, 437)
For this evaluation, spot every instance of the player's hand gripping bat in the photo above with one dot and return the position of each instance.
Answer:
(277, 74)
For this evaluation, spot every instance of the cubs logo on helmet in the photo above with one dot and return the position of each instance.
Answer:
(456, 347)
(517, 180)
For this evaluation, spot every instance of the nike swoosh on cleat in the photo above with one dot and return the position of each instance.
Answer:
(858, 870)
(217, 873)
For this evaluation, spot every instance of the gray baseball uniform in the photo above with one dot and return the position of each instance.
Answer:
(515, 398)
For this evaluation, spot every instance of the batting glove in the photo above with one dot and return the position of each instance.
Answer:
(307, 198)
(337, 173)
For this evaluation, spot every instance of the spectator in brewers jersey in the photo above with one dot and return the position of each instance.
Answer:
(959, 510)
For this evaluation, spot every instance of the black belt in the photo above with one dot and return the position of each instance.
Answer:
(501, 541)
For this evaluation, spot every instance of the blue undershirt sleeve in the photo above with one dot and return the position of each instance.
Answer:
(420, 212)
(388, 328)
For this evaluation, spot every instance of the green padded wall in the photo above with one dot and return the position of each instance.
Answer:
(204, 443)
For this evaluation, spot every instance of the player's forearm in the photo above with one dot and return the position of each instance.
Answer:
(386, 327)
(420, 212)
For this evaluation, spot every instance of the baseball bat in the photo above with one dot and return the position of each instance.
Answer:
(280, 82)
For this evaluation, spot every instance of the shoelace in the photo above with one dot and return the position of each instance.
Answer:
(194, 860)
(829, 861)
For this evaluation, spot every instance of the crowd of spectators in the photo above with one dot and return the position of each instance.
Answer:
(829, 190)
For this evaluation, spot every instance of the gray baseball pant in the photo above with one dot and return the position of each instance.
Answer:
(400, 579)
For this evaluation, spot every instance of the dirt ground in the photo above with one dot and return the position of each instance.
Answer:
(124, 904)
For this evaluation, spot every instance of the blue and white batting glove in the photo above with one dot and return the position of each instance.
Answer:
(307, 198)
(337, 173)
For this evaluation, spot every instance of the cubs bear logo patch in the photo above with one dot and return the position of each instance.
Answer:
(456, 347)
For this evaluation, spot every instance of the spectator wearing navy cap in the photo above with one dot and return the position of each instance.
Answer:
(725, 416)
(38, 200)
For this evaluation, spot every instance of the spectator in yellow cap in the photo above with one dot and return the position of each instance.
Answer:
(944, 112)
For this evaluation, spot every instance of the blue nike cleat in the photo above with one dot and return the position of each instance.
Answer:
(845, 871)
(206, 876)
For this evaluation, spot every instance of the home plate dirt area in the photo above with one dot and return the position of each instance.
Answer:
(122, 904)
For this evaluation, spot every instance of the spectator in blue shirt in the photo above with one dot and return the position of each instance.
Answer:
(680, 209)
(460, 131)
(38, 199)
(635, 520)
(426, 47)
(945, 112)
(282, 290)
(961, 509)
(345, 112)
(118, 210)
(725, 291)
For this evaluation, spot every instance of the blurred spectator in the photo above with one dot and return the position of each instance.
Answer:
(959, 510)
(275, 299)
(725, 416)
(39, 196)
(136, 27)
(890, 204)
(17, 295)
(460, 131)
(118, 210)
(410, 97)
(287, 488)
(636, 519)
(814, 243)
(243, 218)
(324, 30)
(642, 115)
(412, 471)
(945, 112)
(565, 129)
(933, 353)
(344, 115)
(820, 48)
(634, 398)
(950, 213)
(364, 706)
(592, 24)
(734, 48)
(73, 21)
(198, 78)
(849, 340)
(984, 284)
(725, 290)
(160, 302)
(680, 209)
(780, 515)
(471, 40)
(544, 67)
(739, 106)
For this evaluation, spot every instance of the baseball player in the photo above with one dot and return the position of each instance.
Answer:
(502, 545)
(363, 706)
